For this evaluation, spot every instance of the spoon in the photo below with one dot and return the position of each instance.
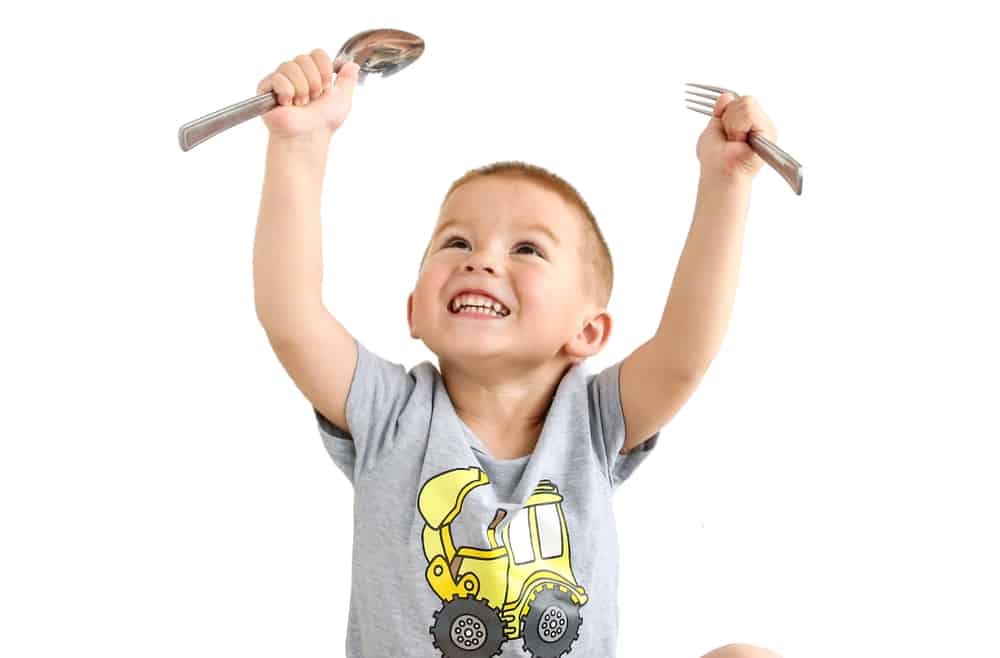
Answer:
(382, 52)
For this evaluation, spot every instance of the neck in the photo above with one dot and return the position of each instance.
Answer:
(505, 411)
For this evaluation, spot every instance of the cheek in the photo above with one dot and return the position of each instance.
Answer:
(429, 286)
(569, 291)
(548, 289)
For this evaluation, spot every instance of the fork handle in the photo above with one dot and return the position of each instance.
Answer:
(783, 163)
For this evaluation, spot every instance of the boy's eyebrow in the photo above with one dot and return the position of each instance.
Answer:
(533, 227)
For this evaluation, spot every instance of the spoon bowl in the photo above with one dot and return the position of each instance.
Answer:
(381, 52)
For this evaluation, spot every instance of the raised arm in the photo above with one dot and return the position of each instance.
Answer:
(659, 377)
(315, 349)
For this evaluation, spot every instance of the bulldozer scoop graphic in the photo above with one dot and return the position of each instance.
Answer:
(522, 586)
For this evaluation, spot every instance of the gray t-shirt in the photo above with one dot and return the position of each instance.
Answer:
(457, 554)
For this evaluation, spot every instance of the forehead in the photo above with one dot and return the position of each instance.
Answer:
(506, 202)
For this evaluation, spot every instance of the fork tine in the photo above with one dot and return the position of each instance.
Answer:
(708, 96)
(702, 103)
(721, 90)
(712, 97)
(708, 87)
(700, 110)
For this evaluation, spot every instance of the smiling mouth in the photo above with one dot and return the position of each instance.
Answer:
(475, 310)
(477, 305)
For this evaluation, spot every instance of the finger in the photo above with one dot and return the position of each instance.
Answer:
(721, 103)
(762, 124)
(311, 72)
(737, 120)
(280, 85)
(325, 66)
(754, 120)
(293, 72)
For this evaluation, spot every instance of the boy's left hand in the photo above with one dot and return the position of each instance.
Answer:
(723, 149)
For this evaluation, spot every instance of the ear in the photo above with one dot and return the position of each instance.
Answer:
(409, 316)
(591, 338)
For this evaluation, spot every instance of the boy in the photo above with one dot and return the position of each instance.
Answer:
(483, 516)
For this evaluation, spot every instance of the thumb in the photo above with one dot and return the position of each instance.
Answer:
(347, 77)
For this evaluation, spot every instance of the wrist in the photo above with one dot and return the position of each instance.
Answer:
(734, 181)
(313, 149)
(312, 140)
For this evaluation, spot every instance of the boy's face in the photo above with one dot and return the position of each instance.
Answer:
(493, 235)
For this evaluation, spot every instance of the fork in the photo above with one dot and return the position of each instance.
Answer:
(783, 163)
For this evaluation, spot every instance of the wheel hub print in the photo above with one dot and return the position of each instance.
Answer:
(468, 632)
(468, 628)
(552, 624)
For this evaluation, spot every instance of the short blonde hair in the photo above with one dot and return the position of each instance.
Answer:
(595, 250)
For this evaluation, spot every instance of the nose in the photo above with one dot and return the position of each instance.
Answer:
(479, 260)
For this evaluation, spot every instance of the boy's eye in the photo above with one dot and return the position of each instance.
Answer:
(529, 246)
(524, 245)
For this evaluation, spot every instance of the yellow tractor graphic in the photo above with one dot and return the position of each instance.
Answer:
(521, 586)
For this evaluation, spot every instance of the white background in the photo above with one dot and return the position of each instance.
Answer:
(830, 490)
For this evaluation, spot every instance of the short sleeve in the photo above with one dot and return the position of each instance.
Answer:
(608, 426)
(379, 392)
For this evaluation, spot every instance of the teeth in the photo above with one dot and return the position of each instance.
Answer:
(479, 300)
(487, 311)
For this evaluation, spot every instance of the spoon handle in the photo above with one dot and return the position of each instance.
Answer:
(195, 132)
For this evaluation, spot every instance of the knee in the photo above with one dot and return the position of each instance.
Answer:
(741, 651)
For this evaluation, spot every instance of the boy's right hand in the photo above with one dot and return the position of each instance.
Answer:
(307, 101)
